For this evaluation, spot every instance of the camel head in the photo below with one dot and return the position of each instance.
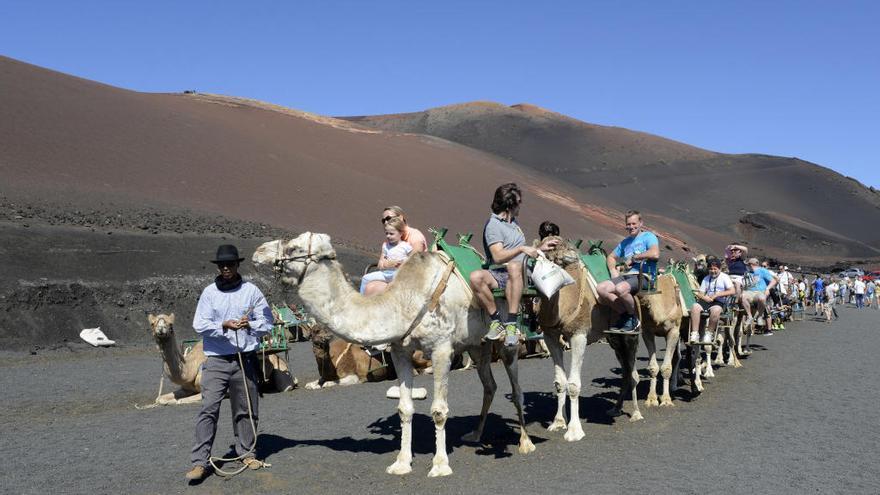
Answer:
(564, 254)
(162, 326)
(292, 259)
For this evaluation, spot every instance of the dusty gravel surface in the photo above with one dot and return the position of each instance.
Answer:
(798, 418)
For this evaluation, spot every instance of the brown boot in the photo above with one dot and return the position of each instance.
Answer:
(196, 473)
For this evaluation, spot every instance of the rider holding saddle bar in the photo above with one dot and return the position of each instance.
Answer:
(639, 252)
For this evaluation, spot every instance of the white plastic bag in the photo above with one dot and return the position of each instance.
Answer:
(549, 277)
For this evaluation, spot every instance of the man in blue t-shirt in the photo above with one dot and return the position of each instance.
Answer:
(640, 249)
(756, 288)
(818, 294)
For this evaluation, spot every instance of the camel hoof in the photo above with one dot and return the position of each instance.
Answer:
(473, 437)
(573, 435)
(651, 402)
(556, 425)
(526, 446)
(666, 402)
(315, 385)
(635, 416)
(399, 468)
(441, 470)
(614, 412)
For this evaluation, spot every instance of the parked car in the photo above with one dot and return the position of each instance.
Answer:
(852, 273)
(872, 276)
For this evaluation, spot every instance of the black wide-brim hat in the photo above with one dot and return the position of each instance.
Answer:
(227, 253)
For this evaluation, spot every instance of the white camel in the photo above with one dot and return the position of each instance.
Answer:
(427, 307)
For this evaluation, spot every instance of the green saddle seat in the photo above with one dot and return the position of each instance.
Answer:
(687, 292)
(595, 259)
(467, 260)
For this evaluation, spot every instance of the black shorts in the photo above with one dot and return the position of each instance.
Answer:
(706, 305)
(633, 280)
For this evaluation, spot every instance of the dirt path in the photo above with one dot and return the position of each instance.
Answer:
(797, 419)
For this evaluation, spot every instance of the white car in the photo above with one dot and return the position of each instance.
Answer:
(852, 273)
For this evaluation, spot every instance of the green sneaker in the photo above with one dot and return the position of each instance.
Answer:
(496, 329)
(511, 333)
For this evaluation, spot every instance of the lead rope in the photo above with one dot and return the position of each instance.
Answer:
(229, 474)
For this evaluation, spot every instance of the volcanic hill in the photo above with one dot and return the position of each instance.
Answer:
(112, 200)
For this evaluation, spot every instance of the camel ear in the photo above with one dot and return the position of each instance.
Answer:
(152, 318)
(170, 318)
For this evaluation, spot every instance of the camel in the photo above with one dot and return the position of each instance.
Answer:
(184, 367)
(661, 317)
(343, 363)
(574, 314)
(427, 307)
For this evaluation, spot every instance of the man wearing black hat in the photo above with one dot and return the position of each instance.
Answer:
(231, 317)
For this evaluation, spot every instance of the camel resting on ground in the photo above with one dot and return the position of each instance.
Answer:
(427, 307)
(184, 366)
(344, 363)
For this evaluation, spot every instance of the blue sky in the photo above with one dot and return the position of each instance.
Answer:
(789, 78)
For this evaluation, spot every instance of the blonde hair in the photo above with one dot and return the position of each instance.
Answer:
(396, 223)
(398, 211)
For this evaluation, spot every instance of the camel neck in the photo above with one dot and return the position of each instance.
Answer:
(172, 358)
(351, 316)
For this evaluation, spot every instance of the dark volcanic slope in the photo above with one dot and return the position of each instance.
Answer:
(659, 175)
(62, 136)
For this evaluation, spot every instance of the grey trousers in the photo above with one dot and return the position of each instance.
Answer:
(222, 373)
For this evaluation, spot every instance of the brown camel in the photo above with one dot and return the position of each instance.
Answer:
(574, 314)
(344, 363)
(661, 317)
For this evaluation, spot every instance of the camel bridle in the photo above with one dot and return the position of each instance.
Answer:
(168, 333)
(280, 262)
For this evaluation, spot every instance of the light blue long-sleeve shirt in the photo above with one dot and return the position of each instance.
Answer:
(215, 307)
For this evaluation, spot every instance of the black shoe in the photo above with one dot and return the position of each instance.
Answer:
(621, 322)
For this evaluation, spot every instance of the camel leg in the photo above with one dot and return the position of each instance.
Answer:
(626, 347)
(405, 408)
(666, 368)
(721, 340)
(483, 362)
(578, 348)
(559, 383)
(653, 369)
(696, 368)
(710, 373)
(510, 356)
(441, 360)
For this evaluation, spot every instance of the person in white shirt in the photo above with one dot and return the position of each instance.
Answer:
(859, 290)
(831, 291)
(784, 279)
(394, 252)
(714, 291)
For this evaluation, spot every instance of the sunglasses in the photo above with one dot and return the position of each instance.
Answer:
(226, 264)
(389, 217)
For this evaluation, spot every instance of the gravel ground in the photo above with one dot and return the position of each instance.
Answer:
(795, 419)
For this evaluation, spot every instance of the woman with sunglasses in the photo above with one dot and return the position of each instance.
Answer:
(409, 235)
(736, 266)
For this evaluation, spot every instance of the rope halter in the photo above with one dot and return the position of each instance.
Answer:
(280, 261)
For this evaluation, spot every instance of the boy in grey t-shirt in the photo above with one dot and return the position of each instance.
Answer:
(504, 243)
